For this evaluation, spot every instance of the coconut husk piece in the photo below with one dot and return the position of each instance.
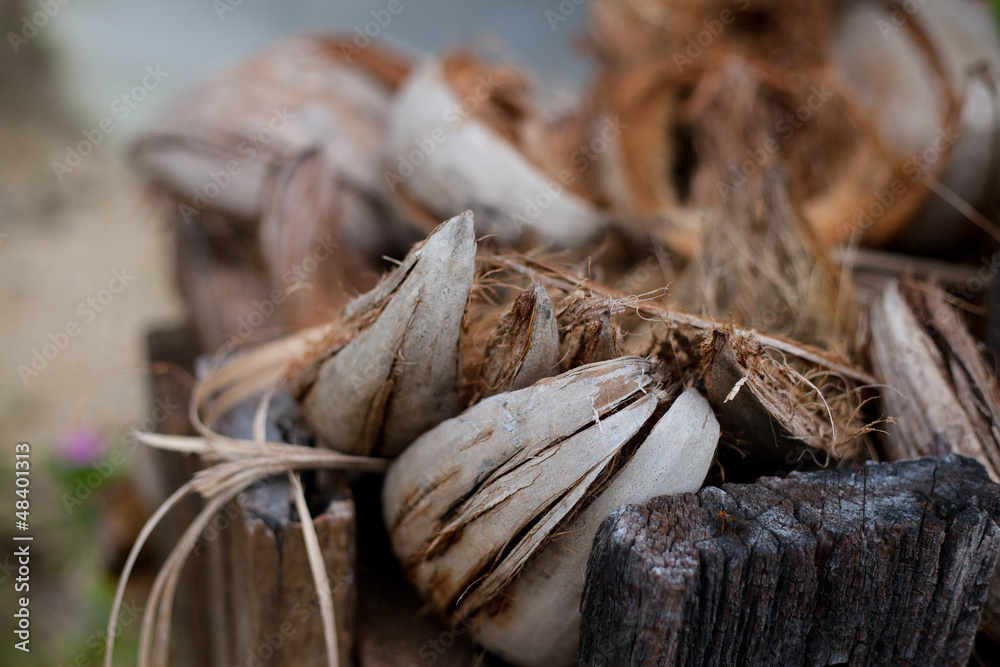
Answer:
(623, 31)
(937, 383)
(392, 370)
(687, 124)
(472, 501)
(691, 135)
(292, 97)
(803, 398)
(761, 267)
(538, 620)
(464, 135)
(588, 330)
(523, 349)
(303, 243)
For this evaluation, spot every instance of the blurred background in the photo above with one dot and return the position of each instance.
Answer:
(65, 237)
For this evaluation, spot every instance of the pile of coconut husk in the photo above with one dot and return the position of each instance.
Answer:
(705, 271)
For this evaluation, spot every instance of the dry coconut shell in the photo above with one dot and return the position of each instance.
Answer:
(303, 244)
(459, 139)
(472, 501)
(693, 135)
(538, 621)
(284, 147)
(624, 31)
(392, 369)
(295, 96)
(946, 49)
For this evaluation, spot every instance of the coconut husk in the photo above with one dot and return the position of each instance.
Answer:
(304, 245)
(937, 383)
(463, 135)
(523, 349)
(942, 58)
(588, 330)
(280, 153)
(537, 620)
(305, 87)
(850, 175)
(391, 370)
(809, 399)
(469, 504)
(761, 267)
(624, 31)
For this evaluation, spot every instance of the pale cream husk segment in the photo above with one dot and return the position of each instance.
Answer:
(472, 503)
(539, 621)
(445, 157)
(401, 375)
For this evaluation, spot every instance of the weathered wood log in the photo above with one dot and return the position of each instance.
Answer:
(159, 473)
(273, 608)
(883, 564)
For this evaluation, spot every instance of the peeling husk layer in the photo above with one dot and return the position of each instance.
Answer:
(473, 504)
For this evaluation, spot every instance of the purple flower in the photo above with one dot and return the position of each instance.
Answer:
(81, 446)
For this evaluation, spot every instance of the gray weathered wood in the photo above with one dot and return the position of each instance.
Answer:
(884, 564)
(273, 608)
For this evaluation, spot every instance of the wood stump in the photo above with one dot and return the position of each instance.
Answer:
(884, 564)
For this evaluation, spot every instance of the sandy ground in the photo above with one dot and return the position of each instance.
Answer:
(60, 245)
